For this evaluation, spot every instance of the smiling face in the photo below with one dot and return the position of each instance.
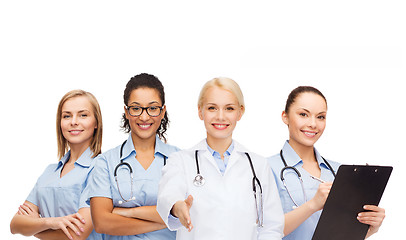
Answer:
(220, 112)
(306, 119)
(144, 126)
(78, 122)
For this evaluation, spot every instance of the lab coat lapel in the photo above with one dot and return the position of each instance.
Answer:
(237, 154)
(234, 157)
(204, 154)
(207, 156)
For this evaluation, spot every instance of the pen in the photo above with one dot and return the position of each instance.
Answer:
(317, 179)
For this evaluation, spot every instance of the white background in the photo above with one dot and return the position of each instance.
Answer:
(353, 51)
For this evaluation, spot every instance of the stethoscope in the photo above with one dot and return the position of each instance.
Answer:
(299, 176)
(121, 164)
(199, 181)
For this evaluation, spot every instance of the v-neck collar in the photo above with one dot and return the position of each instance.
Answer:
(84, 160)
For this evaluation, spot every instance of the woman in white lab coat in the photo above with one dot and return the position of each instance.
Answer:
(206, 192)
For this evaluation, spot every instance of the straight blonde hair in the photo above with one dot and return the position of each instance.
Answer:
(226, 84)
(96, 143)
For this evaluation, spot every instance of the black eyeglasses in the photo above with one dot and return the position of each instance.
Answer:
(152, 111)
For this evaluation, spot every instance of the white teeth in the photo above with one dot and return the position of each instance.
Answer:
(144, 126)
(310, 133)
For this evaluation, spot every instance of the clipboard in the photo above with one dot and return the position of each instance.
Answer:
(353, 187)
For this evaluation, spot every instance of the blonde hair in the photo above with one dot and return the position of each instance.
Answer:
(96, 143)
(226, 84)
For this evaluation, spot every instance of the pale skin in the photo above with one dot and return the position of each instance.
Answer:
(133, 221)
(77, 125)
(306, 120)
(220, 112)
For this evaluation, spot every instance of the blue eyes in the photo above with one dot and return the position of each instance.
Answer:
(67, 116)
(214, 109)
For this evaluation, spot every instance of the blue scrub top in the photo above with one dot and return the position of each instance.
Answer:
(306, 229)
(57, 197)
(145, 183)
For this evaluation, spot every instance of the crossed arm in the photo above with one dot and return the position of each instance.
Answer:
(123, 221)
(28, 222)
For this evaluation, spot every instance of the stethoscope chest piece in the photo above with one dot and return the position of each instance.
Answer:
(131, 199)
(199, 180)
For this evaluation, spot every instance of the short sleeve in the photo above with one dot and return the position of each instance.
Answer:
(83, 200)
(98, 180)
(33, 196)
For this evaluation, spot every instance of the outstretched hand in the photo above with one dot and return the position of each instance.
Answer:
(181, 210)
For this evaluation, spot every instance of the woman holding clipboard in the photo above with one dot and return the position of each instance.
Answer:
(304, 178)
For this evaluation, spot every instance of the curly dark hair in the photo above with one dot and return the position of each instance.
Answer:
(148, 81)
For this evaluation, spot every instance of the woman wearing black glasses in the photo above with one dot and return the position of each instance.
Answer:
(124, 186)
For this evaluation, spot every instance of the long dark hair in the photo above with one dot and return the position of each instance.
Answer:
(148, 81)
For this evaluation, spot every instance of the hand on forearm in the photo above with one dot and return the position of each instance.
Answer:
(75, 222)
(148, 213)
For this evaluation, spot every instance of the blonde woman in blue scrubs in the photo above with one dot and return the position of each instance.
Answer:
(305, 115)
(123, 206)
(56, 208)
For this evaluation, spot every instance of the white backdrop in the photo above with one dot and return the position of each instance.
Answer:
(353, 51)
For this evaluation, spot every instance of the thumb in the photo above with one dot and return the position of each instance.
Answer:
(189, 201)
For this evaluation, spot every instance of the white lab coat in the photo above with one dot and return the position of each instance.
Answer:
(224, 207)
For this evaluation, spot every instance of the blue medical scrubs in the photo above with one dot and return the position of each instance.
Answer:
(145, 183)
(57, 196)
(306, 229)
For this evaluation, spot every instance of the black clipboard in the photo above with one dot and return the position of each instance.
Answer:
(353, 187)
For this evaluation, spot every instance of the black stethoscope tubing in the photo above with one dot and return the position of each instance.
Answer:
(297, 172)
(126, 164)
(122, 163)
(299, 176)
(254, 178)
(199, 181)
